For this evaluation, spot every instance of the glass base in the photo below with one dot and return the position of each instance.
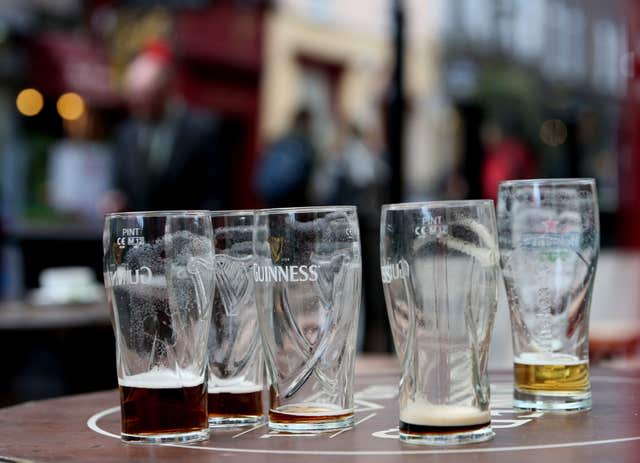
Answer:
(174, 438)
(450, 438)
(234, 421)
(303, 424)
(565, 401)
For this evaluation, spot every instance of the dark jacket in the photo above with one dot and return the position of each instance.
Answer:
(185, 167)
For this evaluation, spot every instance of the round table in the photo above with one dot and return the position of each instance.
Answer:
(85, 428)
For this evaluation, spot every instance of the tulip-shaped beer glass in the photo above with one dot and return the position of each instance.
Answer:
(439, 264)
(549, 242)
(159, 276)
(235, 352)
(307, 277)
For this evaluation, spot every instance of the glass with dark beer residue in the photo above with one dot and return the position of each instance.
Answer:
(236, 372)
(159, 277)
(307, 277)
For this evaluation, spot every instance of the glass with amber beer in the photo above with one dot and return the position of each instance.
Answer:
(549, 244)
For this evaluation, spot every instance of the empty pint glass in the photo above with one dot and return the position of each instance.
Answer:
(549, 241)
(439, 265)
(159, 276)
(307, 277)
(235, 351)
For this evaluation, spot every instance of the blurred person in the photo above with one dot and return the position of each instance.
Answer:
(366, 184)
(355, 173)
(79, 168)
(506, 158)
(327, 173)
(284, 171)
(168, 156)
(455, 185)
(365, 174)
(361, 177)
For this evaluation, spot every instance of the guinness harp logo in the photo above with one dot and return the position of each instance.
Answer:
(276, 245)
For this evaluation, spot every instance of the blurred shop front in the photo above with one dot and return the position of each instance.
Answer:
(547, 74)
(336, 59)
(62, 66)
(51, 207)
(394, 100)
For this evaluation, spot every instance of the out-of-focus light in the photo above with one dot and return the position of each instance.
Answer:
(553, 132)
(29, 102)
(70, 106)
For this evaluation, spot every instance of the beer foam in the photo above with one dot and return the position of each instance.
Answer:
(241, 387)
(162, 378)
(421, 413)
(548, 358)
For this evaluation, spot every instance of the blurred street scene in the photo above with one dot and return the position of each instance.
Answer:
(110, 105)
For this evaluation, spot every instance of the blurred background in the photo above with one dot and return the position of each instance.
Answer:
(112, 105)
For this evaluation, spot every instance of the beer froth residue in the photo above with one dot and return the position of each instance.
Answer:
(162, 378)
(548, 358)
(243, 387)
(424, 414)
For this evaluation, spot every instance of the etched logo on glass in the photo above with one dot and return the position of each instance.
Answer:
(290, 273)
(392, 272)
(234, 282)
(122, 275)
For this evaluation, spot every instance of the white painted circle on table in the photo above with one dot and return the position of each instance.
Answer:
(92, 423)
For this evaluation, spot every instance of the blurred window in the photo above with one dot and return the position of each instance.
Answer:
(469, 20)
(321, 9)
(608, 43)
(529, 28)
(576, 42)
(557, 58)
(428, 20)
(318, 96)
(451, 20)
(477, 19)
(505, 15)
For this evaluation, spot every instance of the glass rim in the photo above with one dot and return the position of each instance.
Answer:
(550, 181)
(232, 212)
(305, 209)
(172, 213)
(456, 203)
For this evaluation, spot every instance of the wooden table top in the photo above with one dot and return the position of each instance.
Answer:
(85, 428)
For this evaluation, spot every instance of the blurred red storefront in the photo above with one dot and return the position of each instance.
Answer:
(221, 50)
(219, 62)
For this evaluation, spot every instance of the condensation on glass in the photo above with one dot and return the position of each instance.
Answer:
(159, 276)
(236, 366)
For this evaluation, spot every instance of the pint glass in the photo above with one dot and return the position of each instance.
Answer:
(439, 265)
(549, 241)
(235, 351)
(159, 276)
(307, 277)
